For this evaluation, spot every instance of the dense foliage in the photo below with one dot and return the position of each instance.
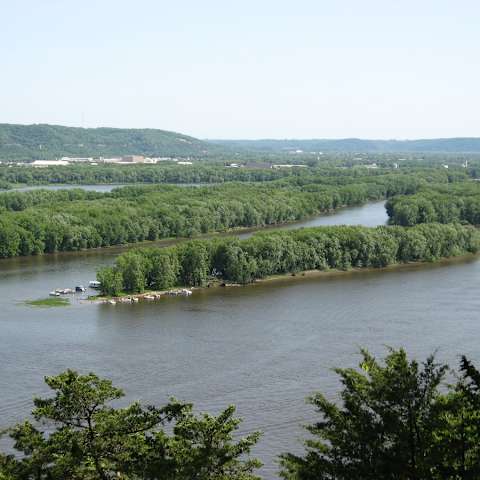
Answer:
(86, 438)
(395, 421)
(140, 173)
(201, 172)
(439, 204)
(38, 221)
(30, 142)
(242, 261)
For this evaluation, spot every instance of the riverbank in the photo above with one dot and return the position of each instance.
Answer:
(155, 295)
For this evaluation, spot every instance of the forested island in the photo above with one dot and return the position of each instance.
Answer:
(195, 263)
(394, 419)
(436, 203)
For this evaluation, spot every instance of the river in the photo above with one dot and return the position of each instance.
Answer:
(103, 188)
(263, 347)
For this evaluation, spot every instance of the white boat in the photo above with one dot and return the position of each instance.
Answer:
(112, 302)
(185, 292)
(65, 291)
(54, 294)
(94, 284)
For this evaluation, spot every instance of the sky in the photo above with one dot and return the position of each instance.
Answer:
(245, 69)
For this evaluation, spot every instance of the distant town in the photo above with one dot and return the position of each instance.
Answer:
(123, 160)
(132, 160)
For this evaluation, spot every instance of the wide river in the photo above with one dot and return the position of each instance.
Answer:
(263, 347)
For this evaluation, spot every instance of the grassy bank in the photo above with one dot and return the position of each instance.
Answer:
(48, 302)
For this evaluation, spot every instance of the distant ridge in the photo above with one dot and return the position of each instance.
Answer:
(352, 145)
(43, 141)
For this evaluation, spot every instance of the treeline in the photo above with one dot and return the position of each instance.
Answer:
(47, 222)
(207, 173)
(439, 204)
(196, 262)
(108, 174)
(397, 419)
(18, 201)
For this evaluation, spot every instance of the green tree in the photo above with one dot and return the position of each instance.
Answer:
(88, 439)
(132, 265)
(239, 267)
(111, 281)
(194, 264)
(163, 268)
(384, 428)
(457, 432)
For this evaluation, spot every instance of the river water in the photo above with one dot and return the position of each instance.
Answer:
(97, 187)
(263, 347)
(93, 188)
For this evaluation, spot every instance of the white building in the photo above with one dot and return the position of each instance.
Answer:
(49, 163)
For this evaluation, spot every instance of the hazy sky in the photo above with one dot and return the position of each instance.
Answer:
(245, 69)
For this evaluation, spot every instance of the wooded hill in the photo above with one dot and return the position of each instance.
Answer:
(30, 142)
(435, 145)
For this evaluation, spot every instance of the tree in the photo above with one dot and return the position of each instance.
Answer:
(111, 280)
(201, 448)
(88, 439)
(132, 266)
(384, 428)
(163, 268)
(457, 432)
(194, 263)
(238, 266)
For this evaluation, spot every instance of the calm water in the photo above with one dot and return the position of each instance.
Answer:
(263, 347)
(96, 188)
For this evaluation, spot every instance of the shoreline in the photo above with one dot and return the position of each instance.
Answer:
(279, 278)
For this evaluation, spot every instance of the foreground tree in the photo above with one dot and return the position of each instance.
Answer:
(384, 428)
(87, 438)
(457, 432)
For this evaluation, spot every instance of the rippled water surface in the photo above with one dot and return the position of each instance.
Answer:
(263, 347)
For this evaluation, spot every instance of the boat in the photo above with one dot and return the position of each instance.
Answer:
(65, 291)
(185, 292)
(111, 302)
(80, 288)
(149, 297)
(54, 294)
(94, 284)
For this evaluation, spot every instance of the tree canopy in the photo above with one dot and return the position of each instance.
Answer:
(87, 438)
